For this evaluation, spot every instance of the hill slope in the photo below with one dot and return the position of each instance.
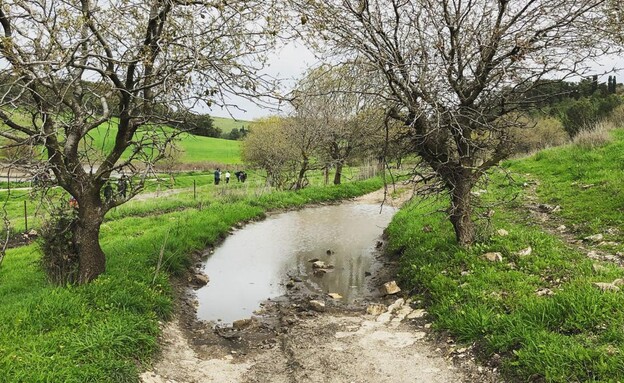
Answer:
(227, 124)
(539, 296)
(190, 148)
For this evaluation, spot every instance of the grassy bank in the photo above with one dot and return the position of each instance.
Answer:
(175, 191)
(541, 313)
(102, 332)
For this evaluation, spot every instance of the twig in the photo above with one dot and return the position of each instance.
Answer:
(160, 257)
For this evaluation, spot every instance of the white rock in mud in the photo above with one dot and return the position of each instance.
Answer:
(618, 282)
(493, 257)
(594, 238)
(335, 296)
(525, 252)
(317, 305)
(242, 323)
(403, 312)
(544, 292)
(375, 309)
(606, 286)
(200, 279)
(390, 288)
(384, 317)
(608, 243)
(396, 305)
(593, 254)
(598, 268)
(418, 313)
(321, 265)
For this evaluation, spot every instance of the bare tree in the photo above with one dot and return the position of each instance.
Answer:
(269, 146)
(455, 69)
(118, 68)
(614, 11)
(305, 135)
(337, 100)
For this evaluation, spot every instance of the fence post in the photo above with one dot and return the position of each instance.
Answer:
(25, 218)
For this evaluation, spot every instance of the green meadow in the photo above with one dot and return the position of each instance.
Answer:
(537, 315)
(187, 149)
(227, 124)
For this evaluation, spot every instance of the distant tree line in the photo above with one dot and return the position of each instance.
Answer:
(235, 133)
(197, 124)
(203, 125)
(579, 106)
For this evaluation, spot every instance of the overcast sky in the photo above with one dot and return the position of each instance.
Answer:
(290, 63)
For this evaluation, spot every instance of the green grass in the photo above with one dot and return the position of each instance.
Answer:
(227, 124)
(105, 331)
(573, 335)
(189, 148)
(587, 184)
(183, 198)
(207, 149)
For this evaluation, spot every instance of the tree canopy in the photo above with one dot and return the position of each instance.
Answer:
(454, 71)
(121, 66)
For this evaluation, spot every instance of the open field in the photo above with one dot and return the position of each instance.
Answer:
(227, 124)
(188, 149)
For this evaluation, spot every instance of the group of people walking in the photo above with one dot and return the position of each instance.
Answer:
(122, 187)
(241, 176)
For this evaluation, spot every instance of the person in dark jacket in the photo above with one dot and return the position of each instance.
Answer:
(217, 176)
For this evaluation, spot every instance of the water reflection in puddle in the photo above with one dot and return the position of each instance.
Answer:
(252, 264)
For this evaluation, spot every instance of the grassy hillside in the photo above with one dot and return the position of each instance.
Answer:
(207, 149)
(547, 312)
(227, 124)
(190, 148)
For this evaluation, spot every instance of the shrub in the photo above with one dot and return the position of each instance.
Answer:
(579, 116)
(596, 137)
(539, 134)
(60, 258)
(586, 112)
(617, 117)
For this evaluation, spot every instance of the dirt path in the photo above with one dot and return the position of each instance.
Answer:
(388, 340)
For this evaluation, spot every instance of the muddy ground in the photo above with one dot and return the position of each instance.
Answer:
(379, 338)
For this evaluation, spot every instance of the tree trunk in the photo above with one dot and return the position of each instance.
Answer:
(92, 260)
(304, 168)
(338, 174)
(326, 173)
(461, 211)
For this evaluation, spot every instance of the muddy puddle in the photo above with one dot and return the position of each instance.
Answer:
(256, 263)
